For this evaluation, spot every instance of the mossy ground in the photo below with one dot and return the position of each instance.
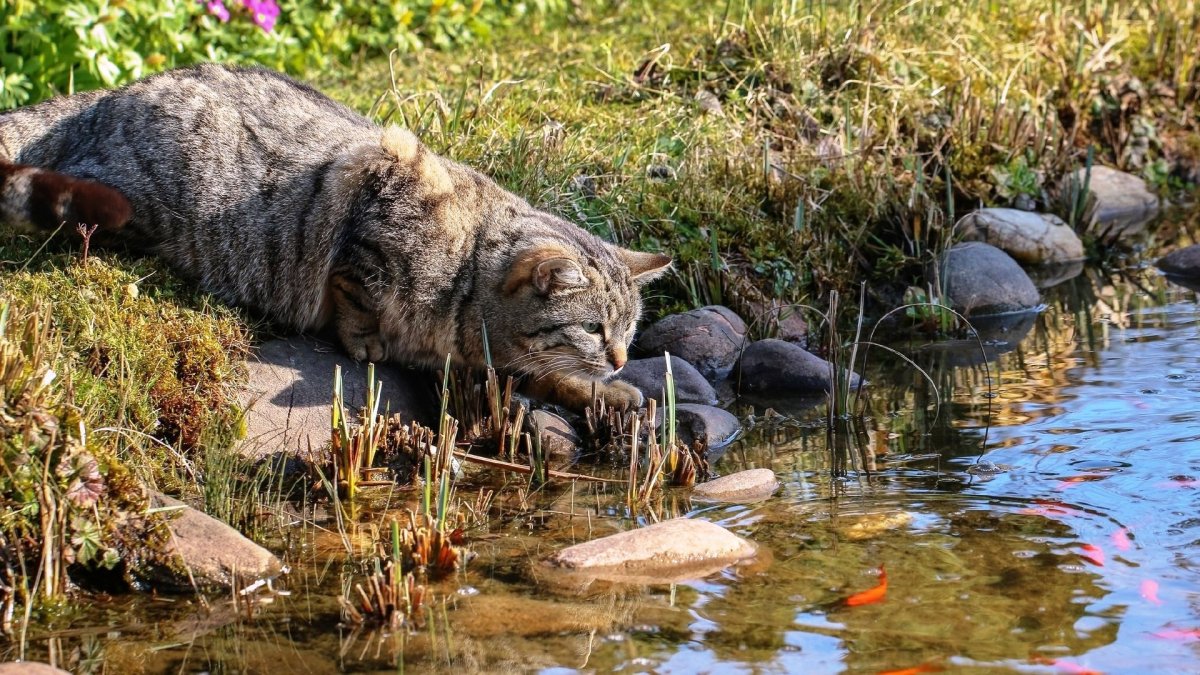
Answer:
(775, 149)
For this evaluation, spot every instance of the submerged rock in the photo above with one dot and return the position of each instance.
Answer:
(709, 338)
(650, 376)
(1030, 238)
(742, 487)
(981, 280)
(291, 387)
(1123, 203)
(1184, 262)
(666, 552)
(206, 553)
(780, 367)
(716, 427)
(875, 524)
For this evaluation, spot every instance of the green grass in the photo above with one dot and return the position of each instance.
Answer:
(851, 135)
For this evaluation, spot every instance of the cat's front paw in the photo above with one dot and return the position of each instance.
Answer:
(364, 348)
(620, 395)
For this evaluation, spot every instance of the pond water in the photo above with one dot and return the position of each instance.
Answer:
(1044, 518)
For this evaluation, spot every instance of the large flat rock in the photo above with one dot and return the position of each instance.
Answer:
(667, 552)
(290, 392)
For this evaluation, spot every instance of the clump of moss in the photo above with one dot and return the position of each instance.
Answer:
(72, 509)
(141, 351)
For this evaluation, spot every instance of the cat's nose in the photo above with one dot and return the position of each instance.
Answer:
(617, 357)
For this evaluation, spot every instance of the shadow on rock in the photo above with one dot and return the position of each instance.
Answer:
(291, 388)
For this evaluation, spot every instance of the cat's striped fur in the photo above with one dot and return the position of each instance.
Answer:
(276, 198)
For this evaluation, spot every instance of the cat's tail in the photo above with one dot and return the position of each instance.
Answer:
(49, 200)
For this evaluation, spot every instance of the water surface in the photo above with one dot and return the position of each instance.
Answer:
(1045, 517)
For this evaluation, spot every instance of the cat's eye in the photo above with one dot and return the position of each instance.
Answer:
(591, 326)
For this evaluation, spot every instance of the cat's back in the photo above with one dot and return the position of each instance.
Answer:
(213, 115)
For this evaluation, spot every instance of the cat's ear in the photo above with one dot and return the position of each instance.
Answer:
(400, 143)
(406, 148)
(547, 269)
(645, 267)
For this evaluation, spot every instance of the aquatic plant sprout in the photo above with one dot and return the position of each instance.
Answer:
(264, 13)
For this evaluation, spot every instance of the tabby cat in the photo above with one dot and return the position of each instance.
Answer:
(274, 197)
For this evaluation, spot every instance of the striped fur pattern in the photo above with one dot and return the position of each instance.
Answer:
(276, 198)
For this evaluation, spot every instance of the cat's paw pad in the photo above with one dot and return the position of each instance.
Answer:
(368, 348)
(620, 395)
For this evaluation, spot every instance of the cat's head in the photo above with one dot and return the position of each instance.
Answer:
(560, 299)
(572, 309)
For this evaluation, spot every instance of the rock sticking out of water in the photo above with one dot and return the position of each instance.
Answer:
(1123, 203)
(709, 338)
(29, 668)
(650, 376)
(1030, 238)
(716, 427)
(667, 552)
(208, 553)
(1184, 262)
(742, 487)
(778, 367)
(982, 280)
(560, 441)
(290, 389)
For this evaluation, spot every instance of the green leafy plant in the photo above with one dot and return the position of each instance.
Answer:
(54, 47)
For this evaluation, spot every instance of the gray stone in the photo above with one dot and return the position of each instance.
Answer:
(673, 550)
(742, 487)
(290, 391)
(709, 338)
(1122, 202)
(781, 367)
(650, 377)
(209, 553)
(1184, 262)
(1030, 238)
(716, 427)
(560, 441)
(30, 668)
(980, 279)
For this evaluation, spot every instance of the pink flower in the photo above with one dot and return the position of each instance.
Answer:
(263, 13)
(216, 8)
